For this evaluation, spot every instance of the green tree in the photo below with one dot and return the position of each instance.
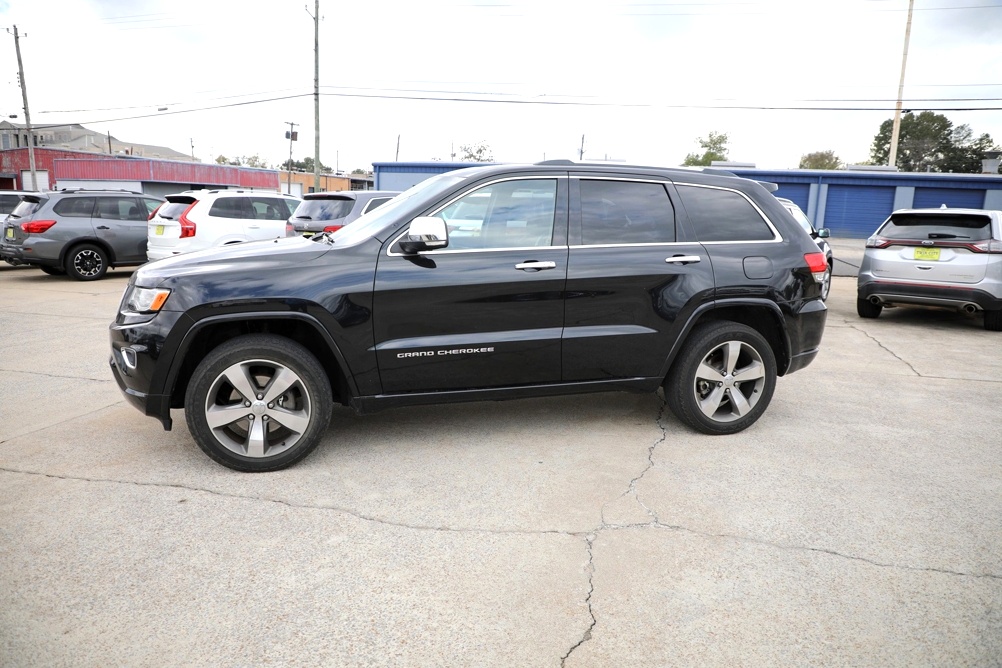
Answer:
(223, 160)
(359, 170)
(479, 152)
(820, 160)
(929, 142)
(714, 148)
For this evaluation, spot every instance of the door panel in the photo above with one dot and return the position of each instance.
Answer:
(121, 223)
(488, 310)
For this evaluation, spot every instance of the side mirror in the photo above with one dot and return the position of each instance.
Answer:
(824, 233)
(424, 233)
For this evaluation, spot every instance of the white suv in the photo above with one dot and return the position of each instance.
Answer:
(199, 219)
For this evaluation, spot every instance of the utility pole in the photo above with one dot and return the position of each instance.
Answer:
(293, 136)
(316, 95)
(892, 156)
(581, 152)
(27, 114)
(192, 140)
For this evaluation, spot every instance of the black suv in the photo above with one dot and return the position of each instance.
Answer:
(576, 278)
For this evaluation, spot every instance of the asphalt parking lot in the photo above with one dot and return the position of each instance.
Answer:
(859, 522)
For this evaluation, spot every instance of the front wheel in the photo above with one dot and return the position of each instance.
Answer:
(993, 321)
(723, 380)
(258, 403)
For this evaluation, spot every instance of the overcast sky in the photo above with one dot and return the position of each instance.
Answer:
(642, 81)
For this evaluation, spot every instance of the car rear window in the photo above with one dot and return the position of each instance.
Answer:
(937, 226)
(323, 209)
(25, 208)
(173, 210)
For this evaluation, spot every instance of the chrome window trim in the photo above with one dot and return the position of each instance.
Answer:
(776, 236)
(521, 177)
(641, 245)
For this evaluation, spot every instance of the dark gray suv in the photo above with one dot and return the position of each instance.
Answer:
(78, 232)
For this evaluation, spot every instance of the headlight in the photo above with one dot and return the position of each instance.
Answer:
(146, 300)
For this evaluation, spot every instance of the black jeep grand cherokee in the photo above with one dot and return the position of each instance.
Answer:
(485, 283)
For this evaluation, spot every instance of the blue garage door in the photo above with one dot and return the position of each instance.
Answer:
(955, 198)
(855, 212)
(800, 193)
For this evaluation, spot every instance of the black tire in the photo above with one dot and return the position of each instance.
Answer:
(295, 413)
(733, 400)
(86, 262)
(52, 271)
(993, 321)
(866, 309)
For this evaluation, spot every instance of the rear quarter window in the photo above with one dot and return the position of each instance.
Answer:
(718, 214)
(75, 207)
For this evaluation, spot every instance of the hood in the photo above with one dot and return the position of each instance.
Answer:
(268, 256)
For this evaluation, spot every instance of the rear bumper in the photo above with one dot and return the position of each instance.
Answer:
(16, 255)
(950, 297)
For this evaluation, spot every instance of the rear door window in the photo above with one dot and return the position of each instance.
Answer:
(269, 208)
(937, 226)
(119, 208)
(719, 214)
(625, 212)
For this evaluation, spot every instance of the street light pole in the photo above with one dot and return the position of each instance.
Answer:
(316, 97)
(27, 114)
(292, 137)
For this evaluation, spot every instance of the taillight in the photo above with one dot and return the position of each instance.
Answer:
(154, 212)
(333, 228)
(878, 242)
(37, 226)
(818, 265)
(290, 231)
(187, 227)
(993, 246)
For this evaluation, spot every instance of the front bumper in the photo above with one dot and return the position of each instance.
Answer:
(135, 363)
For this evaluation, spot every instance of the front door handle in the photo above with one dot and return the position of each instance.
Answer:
(103, 227)
(682, 259)
(535, 266)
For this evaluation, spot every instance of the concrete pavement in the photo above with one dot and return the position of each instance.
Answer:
(859, 522)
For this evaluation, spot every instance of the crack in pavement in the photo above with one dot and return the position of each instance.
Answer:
(892, 353)
(632, 488)
(590, 569)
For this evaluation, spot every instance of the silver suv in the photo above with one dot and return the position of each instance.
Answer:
(949, 258)
(78, 232)
(330, 211)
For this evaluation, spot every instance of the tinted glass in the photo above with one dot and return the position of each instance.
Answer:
(269, 208)
(230, 207)
(8, 202)
(510, 214)
(75, 207)
(173, 210)
(119, 208)
(323, 209)
(801, 218)
(625, 212)
(937, 226)
(25, 208)
(151, 205)
(376, 202)
(723, 215)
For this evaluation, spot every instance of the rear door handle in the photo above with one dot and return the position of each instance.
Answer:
(682, 259)
(535, 266)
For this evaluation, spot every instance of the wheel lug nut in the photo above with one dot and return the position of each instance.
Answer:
(271, 405)
(250, 417)
(265, 418)
(260, 396)
(246, 404)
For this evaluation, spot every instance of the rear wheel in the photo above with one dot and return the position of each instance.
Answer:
(723, 380)
(258, 403)
(86, 262)
(993, 321)
(866, 309)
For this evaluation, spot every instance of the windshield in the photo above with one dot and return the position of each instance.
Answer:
(324, 209)
(370, 224)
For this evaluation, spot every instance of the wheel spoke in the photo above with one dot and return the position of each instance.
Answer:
(731, 351)
(739, 402)
(280, 384)
(753, 371)
(296, 421)
(239, 377)
(222, 416)
(707, 372)
(256, 438)
(711, 403)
